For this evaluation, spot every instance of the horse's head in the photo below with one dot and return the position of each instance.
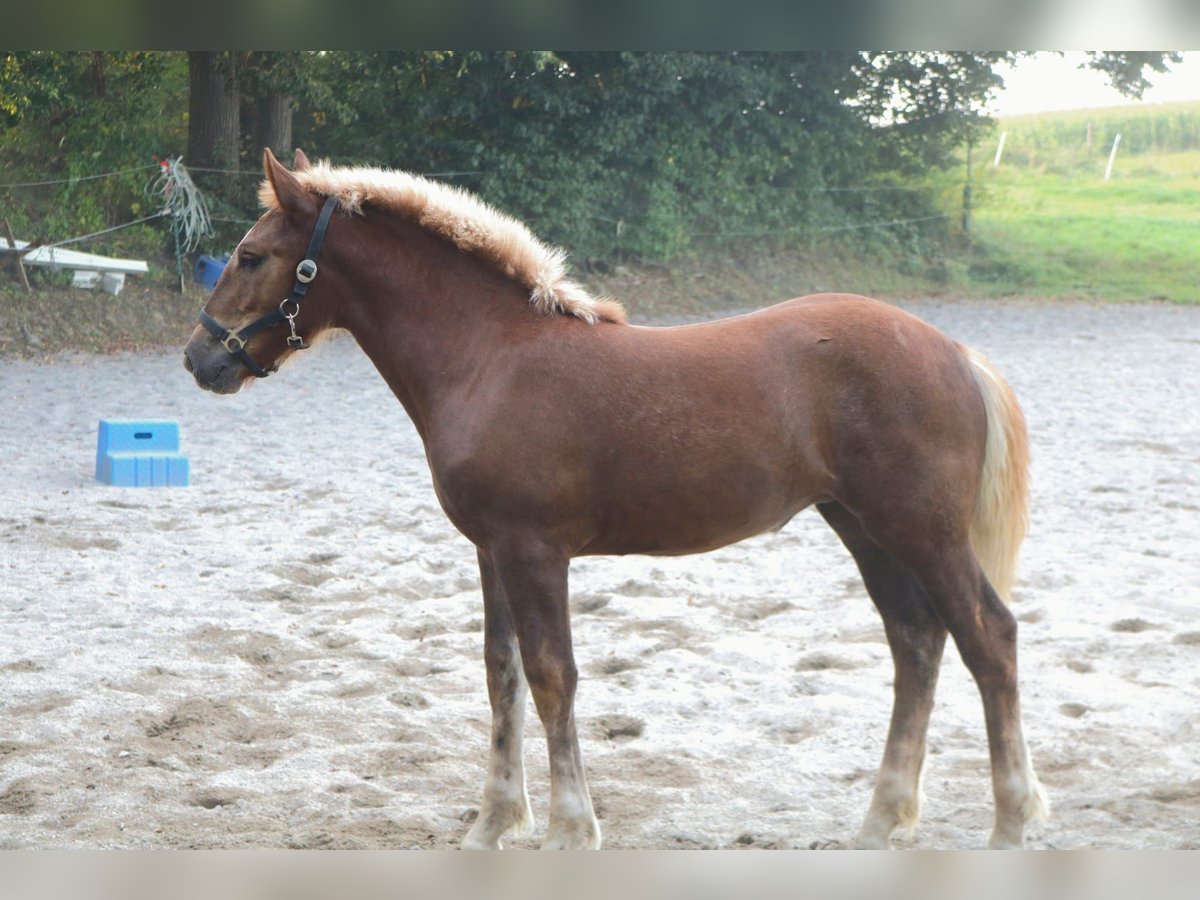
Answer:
(252, 321)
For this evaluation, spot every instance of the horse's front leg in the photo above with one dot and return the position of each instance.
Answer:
(505, 805)
(534, 580)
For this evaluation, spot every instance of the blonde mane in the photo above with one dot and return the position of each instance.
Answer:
(466, 221)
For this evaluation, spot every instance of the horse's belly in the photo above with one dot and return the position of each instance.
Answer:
(679, 529)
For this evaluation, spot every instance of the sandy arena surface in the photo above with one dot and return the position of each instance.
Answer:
(289, 652)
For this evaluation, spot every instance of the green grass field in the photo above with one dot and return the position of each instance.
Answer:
(1046, 223)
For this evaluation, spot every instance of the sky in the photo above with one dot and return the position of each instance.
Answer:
(1046, 82)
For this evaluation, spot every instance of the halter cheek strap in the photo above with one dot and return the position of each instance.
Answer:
(235, 339)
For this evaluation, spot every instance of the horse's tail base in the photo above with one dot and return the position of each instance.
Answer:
(1002, 505)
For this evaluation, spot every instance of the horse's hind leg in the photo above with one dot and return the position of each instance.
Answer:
(505, 804)
(986, 635)
(916, 637)
(535, 582)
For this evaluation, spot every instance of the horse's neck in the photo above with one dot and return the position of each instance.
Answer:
(426, 315)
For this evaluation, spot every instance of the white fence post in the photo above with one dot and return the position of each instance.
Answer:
(1112, 158)
(999, 149)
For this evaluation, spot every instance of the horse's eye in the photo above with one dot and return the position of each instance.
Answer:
(249, 261)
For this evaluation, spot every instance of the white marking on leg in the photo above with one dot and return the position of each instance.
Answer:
(899, 787)
(1037, 804)
(505, 804)
(1020, 798)
(573, 824)
(908, 808)
(896, 804)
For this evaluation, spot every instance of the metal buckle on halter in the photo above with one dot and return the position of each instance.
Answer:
(233, 342)
(295, 341)
(306, 271)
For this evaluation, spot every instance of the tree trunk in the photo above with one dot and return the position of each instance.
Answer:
(96, 74)
(273, 125)
(212, 109)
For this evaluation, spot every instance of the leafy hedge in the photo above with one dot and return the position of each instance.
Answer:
(614, 155)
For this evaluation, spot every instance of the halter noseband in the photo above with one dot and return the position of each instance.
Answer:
(235, 340)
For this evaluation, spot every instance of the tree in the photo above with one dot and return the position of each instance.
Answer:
(1126, 69)
(213, 121)
(642, 153)
(66, 115)
(272, 122)
(271, 81)
(649, 152)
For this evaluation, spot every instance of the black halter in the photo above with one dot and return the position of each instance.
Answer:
(235, 340)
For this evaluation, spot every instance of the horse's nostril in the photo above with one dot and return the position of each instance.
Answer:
(187, 362)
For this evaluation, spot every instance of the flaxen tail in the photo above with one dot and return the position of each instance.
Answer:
(1002, 506)
(1002, 512)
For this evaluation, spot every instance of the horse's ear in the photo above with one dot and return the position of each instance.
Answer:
(289, 194)
(300, 161)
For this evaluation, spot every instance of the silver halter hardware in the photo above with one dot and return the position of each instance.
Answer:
(295, 341)
(306, 271)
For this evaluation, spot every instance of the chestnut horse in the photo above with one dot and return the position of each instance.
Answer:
(553, 429)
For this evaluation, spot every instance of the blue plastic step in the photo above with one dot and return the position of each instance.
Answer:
(140, 453)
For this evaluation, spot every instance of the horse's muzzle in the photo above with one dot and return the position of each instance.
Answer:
(213, 368)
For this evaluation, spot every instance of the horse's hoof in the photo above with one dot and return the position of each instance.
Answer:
(1005, 843)
(872, 842)
(582, 835)
(515, 818)
(875, 834)
(473, 843)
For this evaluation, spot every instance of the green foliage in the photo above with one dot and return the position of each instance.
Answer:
(648, 155)
(643, 155)
(1126, 69)
(68, 115)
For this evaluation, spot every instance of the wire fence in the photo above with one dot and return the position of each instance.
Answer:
(96, 234)
(252, 173)
(77, 178)
(823, 229)
(185, 205)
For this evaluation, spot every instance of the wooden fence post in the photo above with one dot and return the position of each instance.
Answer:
(12, 243)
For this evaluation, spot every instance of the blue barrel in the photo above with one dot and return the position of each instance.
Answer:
(209, 269)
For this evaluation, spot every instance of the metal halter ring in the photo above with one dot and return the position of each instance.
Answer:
(233, 343)
(283, 307)
(306, 271)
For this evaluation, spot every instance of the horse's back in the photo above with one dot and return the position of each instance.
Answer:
(826, 396)
(860, 324)
(835, 345)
